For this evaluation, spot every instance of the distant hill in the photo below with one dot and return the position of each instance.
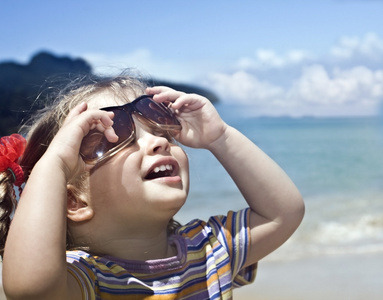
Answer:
(20, 86)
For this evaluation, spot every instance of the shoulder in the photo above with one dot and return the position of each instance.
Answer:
(221, 227)
(232, 221)
(83, 261)
(80, 267)
(75, 254)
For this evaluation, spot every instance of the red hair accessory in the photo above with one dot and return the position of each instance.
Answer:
(11, 149)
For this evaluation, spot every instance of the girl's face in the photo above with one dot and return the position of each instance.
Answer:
(147, 179)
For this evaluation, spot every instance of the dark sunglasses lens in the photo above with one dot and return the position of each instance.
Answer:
(156, 112)
(95, 145)
(123, 125)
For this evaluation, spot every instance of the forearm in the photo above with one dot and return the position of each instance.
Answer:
(34, 255)
(265, 186)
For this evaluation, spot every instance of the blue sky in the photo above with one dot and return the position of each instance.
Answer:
(297, 57)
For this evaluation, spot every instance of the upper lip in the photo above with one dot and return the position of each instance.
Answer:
(166, 161)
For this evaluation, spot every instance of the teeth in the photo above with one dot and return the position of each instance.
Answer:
(163, 168)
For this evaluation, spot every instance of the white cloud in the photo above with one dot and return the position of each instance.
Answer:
(299, 83)
(357, 85)
(266, 59)
(369, 46)
(244, 88)
(340, 92)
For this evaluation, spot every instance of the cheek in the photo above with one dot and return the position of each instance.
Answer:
(107, 180)
(183, 162)
(185, 168)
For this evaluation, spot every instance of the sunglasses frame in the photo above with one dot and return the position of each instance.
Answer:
(130, 108)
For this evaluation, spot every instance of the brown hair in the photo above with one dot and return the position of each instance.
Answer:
(7, 205)
(46, 124)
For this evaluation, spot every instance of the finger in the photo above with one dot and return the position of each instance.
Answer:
(167, 95)
(101, 121)
(94, 120)
(111, 135)
(77, 110)
(107, 119)
(157, 90)
(105, 125)
(188, 102)
(163, 93)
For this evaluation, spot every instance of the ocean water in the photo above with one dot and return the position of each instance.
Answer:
(337, 164)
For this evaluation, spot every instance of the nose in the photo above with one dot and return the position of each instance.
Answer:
(155, 144)
(150, 141)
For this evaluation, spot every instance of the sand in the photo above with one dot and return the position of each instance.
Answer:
(349, 277)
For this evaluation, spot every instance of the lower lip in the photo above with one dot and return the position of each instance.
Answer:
(170, 179)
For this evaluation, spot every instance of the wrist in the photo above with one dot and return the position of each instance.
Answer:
(221, 141)
(51, 166)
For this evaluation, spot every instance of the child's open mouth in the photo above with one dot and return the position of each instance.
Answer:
(165, 170)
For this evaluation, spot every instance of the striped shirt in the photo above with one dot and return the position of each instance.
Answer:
(208, 265)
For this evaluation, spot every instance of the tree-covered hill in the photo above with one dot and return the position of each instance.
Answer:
(23, 86)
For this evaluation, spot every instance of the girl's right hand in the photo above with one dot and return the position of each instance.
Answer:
(65, 146)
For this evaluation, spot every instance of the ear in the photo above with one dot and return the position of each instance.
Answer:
(78, 209)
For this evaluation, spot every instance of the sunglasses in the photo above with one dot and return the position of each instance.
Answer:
(96, 148)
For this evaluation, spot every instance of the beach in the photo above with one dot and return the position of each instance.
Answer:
(351, 277)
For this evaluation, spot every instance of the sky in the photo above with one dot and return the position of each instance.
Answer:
(296, 58)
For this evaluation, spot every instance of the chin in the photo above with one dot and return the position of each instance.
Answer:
(173, 201)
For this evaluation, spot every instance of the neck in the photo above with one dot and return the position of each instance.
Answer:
(140, 249)
(142, 244)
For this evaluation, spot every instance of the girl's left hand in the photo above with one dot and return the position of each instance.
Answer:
(201, 123)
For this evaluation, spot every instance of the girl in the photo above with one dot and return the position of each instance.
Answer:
(95, 219)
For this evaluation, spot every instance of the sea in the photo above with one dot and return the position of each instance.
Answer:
(336, 163)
